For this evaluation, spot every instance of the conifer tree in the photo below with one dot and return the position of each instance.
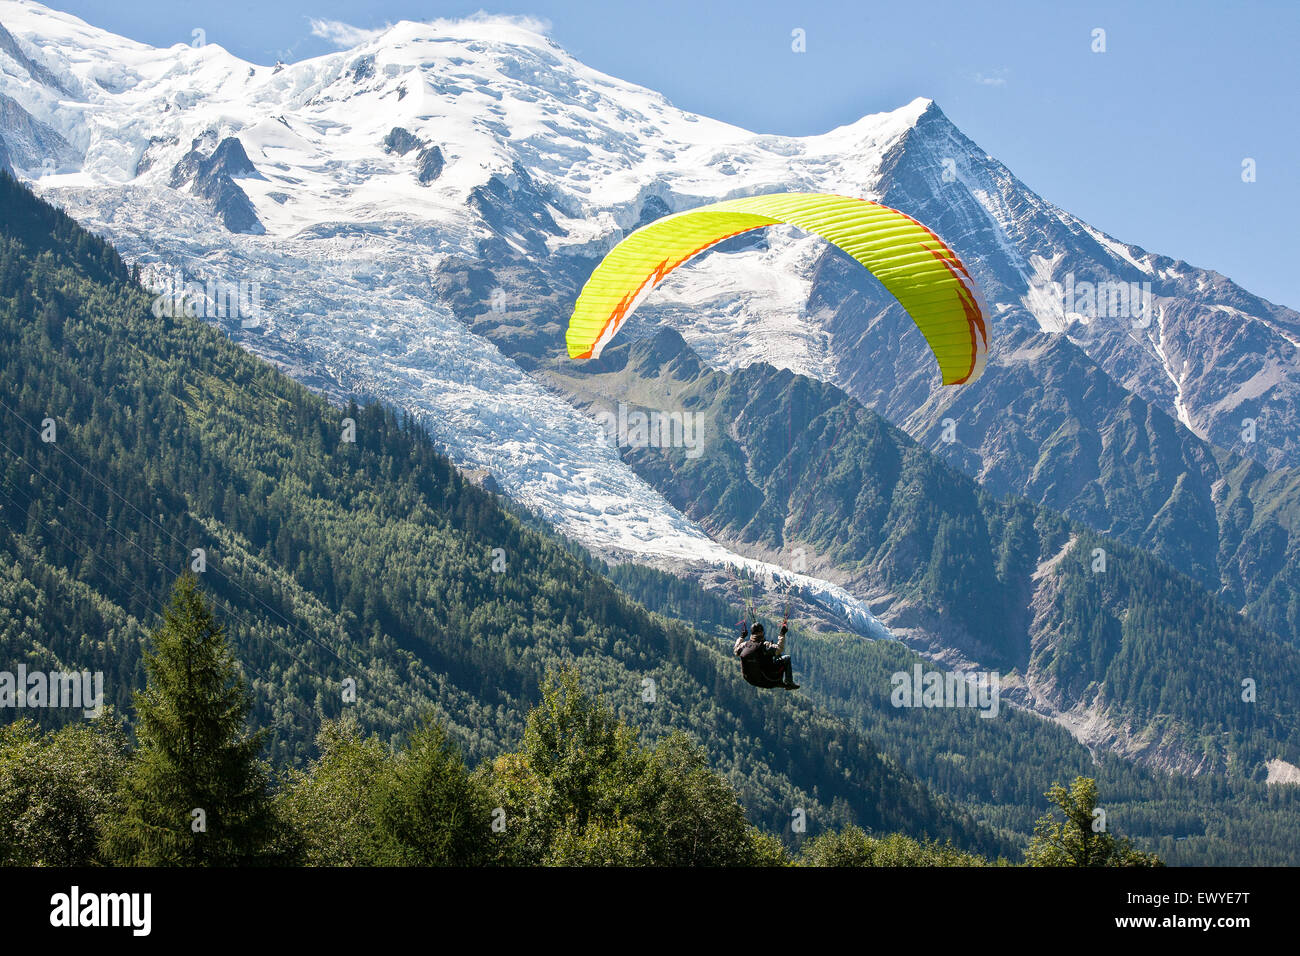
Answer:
(1080, 837)
(429, 811)
(197, 791)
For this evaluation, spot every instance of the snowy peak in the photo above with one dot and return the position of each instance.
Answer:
(486, 30)
(487, 93)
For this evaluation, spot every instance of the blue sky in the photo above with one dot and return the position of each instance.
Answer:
(1145, 141)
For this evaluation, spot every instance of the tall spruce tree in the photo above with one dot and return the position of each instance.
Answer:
(197, 792)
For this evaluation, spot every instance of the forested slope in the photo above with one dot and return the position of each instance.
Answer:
(333, 561)
(794, 468)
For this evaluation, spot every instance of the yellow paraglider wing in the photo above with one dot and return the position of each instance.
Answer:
(910, 261)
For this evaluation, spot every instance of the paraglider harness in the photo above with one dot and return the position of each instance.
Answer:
(759, 662)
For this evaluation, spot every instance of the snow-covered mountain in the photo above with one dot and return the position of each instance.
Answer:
(348, 226)
(379, 205)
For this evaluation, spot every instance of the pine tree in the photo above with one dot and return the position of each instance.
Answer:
(197, 791)
(430, 812)
(1079, 839)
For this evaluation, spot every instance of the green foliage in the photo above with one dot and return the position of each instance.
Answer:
(57, 790)
(328, 809)
(1078, 836)
(195, 755)
(851, 846)
(690, 816)
(599, 844)
(428, 810)
(1156, 643)
(996, 766)
(582, 790)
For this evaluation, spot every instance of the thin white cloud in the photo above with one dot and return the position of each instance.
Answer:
(343, 35)
(520, 20)
(995, 78)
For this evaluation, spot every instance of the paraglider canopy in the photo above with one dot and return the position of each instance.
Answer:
(910, 261)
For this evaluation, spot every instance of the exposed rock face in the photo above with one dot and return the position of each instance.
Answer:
(653, 208)
(517, 210)
(1282, 773)
(429, 161)
(430, 164)
(400, 141)
(364, 68)
(30, 143)
(230, 159)
(212, 178)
